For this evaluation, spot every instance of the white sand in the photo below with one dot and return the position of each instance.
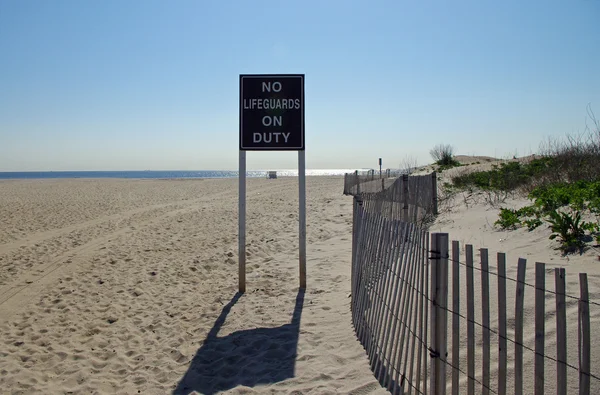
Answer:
(112, 286)
(120, 286)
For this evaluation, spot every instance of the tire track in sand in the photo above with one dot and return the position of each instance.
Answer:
(48, 234)
(28, 285)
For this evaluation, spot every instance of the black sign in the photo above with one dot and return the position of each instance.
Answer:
(272, 112)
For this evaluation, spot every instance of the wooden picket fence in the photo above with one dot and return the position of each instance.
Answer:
(371, 182)
(568, 378)
(401, 310)
(388, 312)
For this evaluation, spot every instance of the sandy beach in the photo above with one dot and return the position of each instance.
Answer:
(129, 286)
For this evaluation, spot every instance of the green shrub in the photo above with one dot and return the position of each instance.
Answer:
(594, 205)
(528, 211)
(506, 177)
(568, 229)
(508, 219)
(532, 223)
(441, 168)
(581, 195)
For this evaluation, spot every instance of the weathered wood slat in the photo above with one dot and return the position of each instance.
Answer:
(455, 317)
(502, 344)
(380, 294)
(470, 321)
(561, 332)
(519, 303)
(399, 268)
(485, 314)
(422, 362)
(439, 287)
(418, 300)
(426, 312)
(540, 310)
(402, 364)
(584, 336)
(372, 233)
(390, 342)
(402, 315)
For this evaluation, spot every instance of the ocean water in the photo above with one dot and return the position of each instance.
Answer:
(165, 174)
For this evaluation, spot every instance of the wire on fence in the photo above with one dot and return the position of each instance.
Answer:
(516, 281)
(380, 205)
(495, 332)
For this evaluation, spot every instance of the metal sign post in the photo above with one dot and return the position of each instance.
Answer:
(271, 118)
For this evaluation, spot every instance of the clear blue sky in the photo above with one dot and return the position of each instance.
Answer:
(114, 85)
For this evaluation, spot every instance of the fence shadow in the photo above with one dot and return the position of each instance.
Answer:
(248, 357)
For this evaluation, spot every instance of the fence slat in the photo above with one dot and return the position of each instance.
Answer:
(397, 262)
(584, 336)
(362, 272)
(433, 315)
(380, 360)
(421, 257)
(356, 223)
(372, 236)
(434, 192)
(540, 304)
(423, 317)
(358, 244)
(405, 216)
(470, 321)
(401, 315)
(400, 381)
(378, 300)
(485, 314)
(561, 332)
(502, 351)
(374, 285)
(427, 318)
(363, 245)
(442, 324)
(383, 360)
(519, 326)
(455, 316)
(389, 262)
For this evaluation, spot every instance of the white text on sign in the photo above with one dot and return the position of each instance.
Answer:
(268, 137)
(271, 104)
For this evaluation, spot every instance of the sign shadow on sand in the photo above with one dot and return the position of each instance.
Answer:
(248, 357)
